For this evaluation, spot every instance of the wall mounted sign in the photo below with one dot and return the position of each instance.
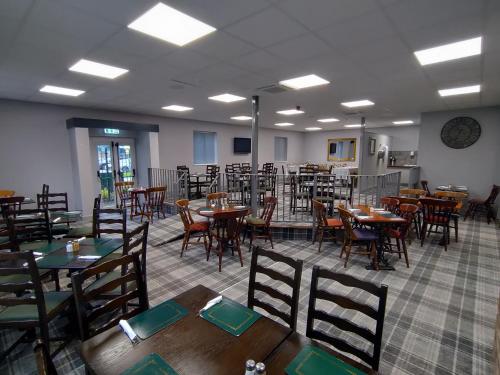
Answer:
(111, 131)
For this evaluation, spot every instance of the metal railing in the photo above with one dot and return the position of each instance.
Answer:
(294, 192)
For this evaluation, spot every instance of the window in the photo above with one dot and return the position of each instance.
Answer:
(280, 148)
(205, 147)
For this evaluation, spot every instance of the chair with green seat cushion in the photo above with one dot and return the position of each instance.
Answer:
(109, 221)
(19, 273)
(259, 227)
(86, 230)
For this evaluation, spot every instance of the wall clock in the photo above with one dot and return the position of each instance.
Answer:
(460, 132)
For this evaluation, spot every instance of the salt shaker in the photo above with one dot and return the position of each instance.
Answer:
(69, 247)
(250, 367)
(260, 369)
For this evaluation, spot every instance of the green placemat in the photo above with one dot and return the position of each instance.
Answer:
(153, 320)
(231, 316)
(152, 364)
(312, 361)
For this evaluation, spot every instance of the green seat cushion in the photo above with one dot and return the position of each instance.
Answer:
(3, 239)
(255, 221)
(53, 300)
(19, 278)
(80, 232)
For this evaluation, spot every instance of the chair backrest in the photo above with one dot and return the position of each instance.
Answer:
(54, 202)
(425, 186)
(31, 225)
(97, 202)
(184, 212)
(155, 196)
(136, 241)
(22, 263)
(433, 208)
(389, 204)
(293, 281)
(122, 187)
(416, 193)
(269, 206)
(109, 221)
(131, 284)
(407, 212)
(227, 225)
(217, 198)
(44, 362)
(7, 193)
(212, 169)
(9, 205)
(343, 301)
(346, 218)
(493, 194)
(319, 211)
(325, 186)
(406, 200)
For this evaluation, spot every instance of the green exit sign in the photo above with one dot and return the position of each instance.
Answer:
(112, 131)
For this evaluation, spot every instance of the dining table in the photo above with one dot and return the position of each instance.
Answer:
(193, 345)
(210, 211)
(378, 219)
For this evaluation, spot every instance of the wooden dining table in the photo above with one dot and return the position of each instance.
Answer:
(210, 211)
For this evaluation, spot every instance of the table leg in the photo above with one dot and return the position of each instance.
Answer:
(383, 263)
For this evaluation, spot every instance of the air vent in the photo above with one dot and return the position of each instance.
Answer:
(273, 89)
(179, 85)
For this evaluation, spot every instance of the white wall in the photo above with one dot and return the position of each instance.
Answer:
(476, 166)
(372, 164)
(403, 138)
(316, 145)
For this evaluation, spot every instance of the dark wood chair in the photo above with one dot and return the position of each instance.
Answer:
(357, 236)
(425, 187)
(192, 229)
(390, 204)
(476, 205)
(10, 206)
(109, 221)
(400, 234)
(457, 197)
(44, 362)
(154, 202)
(91, 315)
(186, 186)
(436, 213)
(226, 230)
(86, 230)
(325, 227)
(260, 227)
(122, 194)
(27, 311)
(343, 301)
(217, 199)
(291, 280)
(299, 193)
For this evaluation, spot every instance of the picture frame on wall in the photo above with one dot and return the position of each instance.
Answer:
(372, 144)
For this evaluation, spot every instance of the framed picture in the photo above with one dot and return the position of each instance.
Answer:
(372, 145)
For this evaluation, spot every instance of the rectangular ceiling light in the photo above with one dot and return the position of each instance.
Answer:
(226, 98)
(97, 69)
(358, 103)
(241, 118)
(452, 51)
(283, 124)
(168, 24)
(460, 90)
(353, 126)
(61, 90)
(313, 128)
(290, 112)
(177, 108)
(298, 83)
(403, 122)
(328, 119)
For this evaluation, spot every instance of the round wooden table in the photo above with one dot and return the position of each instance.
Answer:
(209, 211)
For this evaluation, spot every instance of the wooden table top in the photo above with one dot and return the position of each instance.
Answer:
(191, 346)
(375, 216)
(293, 344)
(209, 211)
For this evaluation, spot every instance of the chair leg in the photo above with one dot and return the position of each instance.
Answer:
(237, 244)
(270, 237)
(347, 252)
(219, 247)
(251, 239)
(398, 245)
(445, 237)
(455, 219)
(405, 252)
(185, 242)
(374, 255)
(321, 234)
(423, 232)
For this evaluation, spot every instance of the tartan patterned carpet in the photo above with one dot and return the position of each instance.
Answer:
(440, 313)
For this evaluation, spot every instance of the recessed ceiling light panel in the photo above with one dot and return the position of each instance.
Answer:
(61, 90)
(460, 90)
(403, 122)
(313, 128)
(97, 69)
(358, 103)
(452, 51)
(328, 119)
(298, 83)
(241, 118)
(290, 112)
(169, 24)
(226, 98)
(284, 124)
(177, 108)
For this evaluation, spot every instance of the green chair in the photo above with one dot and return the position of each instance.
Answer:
(87, 230)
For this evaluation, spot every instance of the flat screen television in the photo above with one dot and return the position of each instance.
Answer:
(242, 145)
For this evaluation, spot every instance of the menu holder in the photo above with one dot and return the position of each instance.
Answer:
(231, 316)
(152, 364)
(149, 322)
(313, 360)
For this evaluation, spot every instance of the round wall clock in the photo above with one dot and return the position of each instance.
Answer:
(460, 132)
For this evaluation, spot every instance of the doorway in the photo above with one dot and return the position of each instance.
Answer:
(114, 160)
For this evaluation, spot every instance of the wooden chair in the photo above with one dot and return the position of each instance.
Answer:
(10, 206)
(122, 194)
(217, 199)
(389, 204)
(260, 227)
(407, 212)
(425, 187)
(44, 362)
(109, 221)
(457, 197)
(7, 193)
(344, 301)
(55, 203)
(226, 230)
(436, 212)
(155, 199)
(132, 283)
(413, 193)
(357, 236)
(87, 230)
(417, 222)
(298, 192)
(324, 225)
(292, 281)
(27, 311)
(483, 204)
(196, 229)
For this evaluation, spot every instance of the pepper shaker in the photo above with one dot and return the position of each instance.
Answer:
(250, 367)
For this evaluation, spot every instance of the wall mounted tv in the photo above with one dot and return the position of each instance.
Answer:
(242, 145)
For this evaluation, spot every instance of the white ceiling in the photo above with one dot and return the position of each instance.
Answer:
(364, 47)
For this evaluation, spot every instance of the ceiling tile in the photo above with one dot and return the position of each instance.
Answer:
(221, 46)
(301, 48)
(258, 60)
(187, 60)
(15, 9)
